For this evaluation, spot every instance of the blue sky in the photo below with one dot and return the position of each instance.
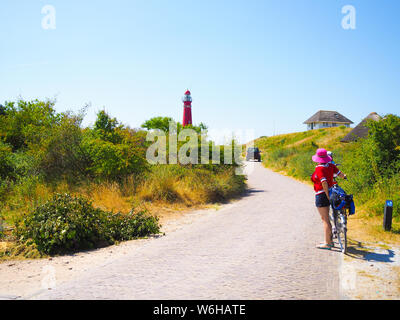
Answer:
(262, 65)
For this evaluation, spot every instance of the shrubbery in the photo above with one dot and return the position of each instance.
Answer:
(25, 123)
(67, 224)
(374, 165)
(6, 167)
(36, 140)
(44, 152)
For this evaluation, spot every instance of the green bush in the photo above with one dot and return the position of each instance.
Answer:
(123, 227)
(111, 161)
(61, 155)
(25, 123)
(373, 165)
(385, 139)
(68, 224)
(113, 151)
(6, 167)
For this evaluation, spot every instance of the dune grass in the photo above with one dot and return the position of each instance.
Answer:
(174, 183)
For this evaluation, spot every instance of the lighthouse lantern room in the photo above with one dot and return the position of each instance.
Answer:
(187, 109)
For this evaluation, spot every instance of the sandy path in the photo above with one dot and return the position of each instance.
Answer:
(261, 247)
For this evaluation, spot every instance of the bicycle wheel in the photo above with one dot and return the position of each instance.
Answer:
(341, 227)
(333, 219)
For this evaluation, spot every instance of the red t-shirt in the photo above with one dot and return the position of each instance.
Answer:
(324, 172)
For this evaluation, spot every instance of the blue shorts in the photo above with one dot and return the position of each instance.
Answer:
(321, 200)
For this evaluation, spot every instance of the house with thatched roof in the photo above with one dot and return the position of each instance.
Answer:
(327, 119)
(361, 130)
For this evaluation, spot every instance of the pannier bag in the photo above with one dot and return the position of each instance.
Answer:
(339, 200)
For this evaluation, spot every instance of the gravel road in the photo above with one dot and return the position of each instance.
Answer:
(260, 247)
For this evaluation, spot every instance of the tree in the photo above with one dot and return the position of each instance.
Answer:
(161, 123)
(105, 122)
(385, 137)
(115, 151)
(26, 123)
(108, 128)
(62, 155)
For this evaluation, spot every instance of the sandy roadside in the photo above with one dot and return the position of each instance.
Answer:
(371, 272)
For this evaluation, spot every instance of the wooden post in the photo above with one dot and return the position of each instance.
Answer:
(387, 215)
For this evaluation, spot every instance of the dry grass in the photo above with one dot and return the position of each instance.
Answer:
(370, 229)
(328, 140)
(108, 197)
(10, 250)
(190, 187)
(366, 274)
(327, 137)
(170, 211)
(335, 134)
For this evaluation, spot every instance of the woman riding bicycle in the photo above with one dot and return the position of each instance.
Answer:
(323, 181)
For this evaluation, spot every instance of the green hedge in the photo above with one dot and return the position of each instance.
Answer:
(68, 224)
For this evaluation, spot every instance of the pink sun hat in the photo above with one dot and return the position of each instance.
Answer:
(321, 156)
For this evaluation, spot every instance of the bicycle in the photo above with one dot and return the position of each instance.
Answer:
(342, 206)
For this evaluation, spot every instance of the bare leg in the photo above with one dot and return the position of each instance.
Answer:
(324, 213)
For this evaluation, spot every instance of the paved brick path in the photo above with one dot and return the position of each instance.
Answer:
(261, 247)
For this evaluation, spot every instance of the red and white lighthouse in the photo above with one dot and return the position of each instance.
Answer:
(187, 109)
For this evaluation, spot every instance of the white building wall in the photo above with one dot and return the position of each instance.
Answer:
(321, 125)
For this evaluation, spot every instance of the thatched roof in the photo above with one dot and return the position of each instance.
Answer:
(328, 116)
(361, 130)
